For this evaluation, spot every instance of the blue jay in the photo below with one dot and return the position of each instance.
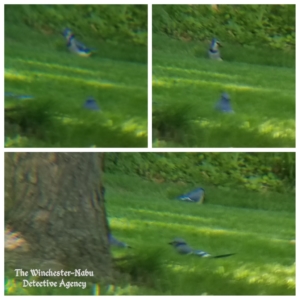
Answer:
(223, 104)
(196, 195)
(114, 242)
(183, 248)
(213, 51)
(18, 97)
(91, 104)
(75, 46)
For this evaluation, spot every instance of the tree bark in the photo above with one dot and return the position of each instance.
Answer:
(55, 201)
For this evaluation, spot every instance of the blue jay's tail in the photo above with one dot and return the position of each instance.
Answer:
(196, 196)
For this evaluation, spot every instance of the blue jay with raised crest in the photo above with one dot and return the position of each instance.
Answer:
(183, 248)
(75, 46)
(213, 51)
(224, 104)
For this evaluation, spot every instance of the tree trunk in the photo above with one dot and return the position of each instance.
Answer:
(55, 201)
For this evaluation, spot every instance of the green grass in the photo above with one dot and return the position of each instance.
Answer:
(255, 226)
(116, 77)
(260, 82)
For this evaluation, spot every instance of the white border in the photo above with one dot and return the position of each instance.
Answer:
(149, 149)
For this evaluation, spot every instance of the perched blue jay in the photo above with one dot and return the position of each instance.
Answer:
(114, 242)
(196, 195)
(224, 105)
(213, 51)
(75, 46)
(91, 104)
(183, 248)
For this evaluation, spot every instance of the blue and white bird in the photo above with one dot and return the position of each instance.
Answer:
(75, 46)
(213, 51)
(18, 97)
(114, 242)
(196, 196)
(91, 104)
(183, 248)
(224, 104)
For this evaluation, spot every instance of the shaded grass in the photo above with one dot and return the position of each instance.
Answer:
(142, 214)
(262, 92)
(40, 65)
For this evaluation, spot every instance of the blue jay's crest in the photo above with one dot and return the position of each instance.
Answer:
(91, 104)
(213, 51)
(114, 242)
(224, 105)
(75, 46)
(67, 33)
(196, 196)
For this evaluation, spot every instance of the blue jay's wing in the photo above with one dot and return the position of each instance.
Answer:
(201, 253)
(181, 246)
(184, 249)
(196, 195)
(114, 242)
(224, 104)
(74, 45)
(91, 104)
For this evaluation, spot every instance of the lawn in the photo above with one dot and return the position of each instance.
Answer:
(39, 64)
(187, 85)
(256, 226)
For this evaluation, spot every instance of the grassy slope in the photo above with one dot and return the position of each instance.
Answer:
(264, 263)
(261, 85)
(116, 77)
(142, 215)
